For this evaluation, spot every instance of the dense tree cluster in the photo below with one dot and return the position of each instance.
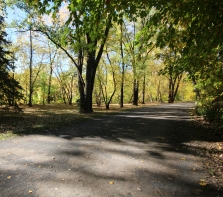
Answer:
(109, 42)
(193, 29)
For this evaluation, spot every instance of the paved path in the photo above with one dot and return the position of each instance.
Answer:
(142, 153)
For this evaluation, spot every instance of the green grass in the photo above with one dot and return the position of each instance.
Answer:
(6, 135)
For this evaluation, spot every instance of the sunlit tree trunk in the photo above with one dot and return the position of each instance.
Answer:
(30, 69)
(122, 72)
(143, 88)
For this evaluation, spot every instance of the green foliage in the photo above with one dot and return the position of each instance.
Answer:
(212, 111)
(9, 87)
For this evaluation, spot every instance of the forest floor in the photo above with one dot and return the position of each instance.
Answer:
(144, 151)
(48, 116)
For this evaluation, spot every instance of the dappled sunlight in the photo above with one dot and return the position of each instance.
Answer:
(160, 116)
(120, 155)
(86, 164)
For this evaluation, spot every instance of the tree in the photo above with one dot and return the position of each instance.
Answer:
(173, 71)
(52, 56)
(9, 87)
(85, 31)
(107, 81)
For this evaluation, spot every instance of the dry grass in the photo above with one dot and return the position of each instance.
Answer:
(48, 116)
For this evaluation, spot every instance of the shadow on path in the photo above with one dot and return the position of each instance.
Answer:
(151, 151)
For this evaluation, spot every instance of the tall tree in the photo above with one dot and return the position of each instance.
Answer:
(9, 87)
(86, 29)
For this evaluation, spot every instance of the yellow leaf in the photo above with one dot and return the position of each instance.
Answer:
(202, 180)
(30, 191)
(8, 177)
(203, 183)
(182, 158)
(111, 182)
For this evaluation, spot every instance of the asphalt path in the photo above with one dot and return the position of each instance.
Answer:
(145, 152)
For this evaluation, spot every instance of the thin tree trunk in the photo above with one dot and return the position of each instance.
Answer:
(50, 75)
(30, 70)
(122, 72)
(71, 90)
(143, 88)
(49, 85)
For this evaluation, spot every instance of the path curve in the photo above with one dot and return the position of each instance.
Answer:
(145, 152)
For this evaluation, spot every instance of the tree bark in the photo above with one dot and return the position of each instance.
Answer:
(173, 87)
(30, 70)
(122, 72)
(135, 92)
(143, 88)
(50, 76)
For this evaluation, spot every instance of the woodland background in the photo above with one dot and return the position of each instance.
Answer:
(103, 52)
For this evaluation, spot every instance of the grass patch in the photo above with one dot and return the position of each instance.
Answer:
(6, 135)
(39, 118)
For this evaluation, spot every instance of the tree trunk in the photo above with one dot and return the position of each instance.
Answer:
(49, 84)
(71, 90)
(122, 95)
(135, 92)
(196, 90)
(89, 82)
(30, 70)
(123, 73)
(173, 87)
(143, 88)
(170, 97)
(43, 99)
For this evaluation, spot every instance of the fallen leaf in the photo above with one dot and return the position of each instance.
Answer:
(202, 180)
(203, 183)
(53, 157)
(26, 165)
(139, 189)
(30, 191)
(62, 179)
(182, 158)
(111, 182)
(39, 166)
(8, 177)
